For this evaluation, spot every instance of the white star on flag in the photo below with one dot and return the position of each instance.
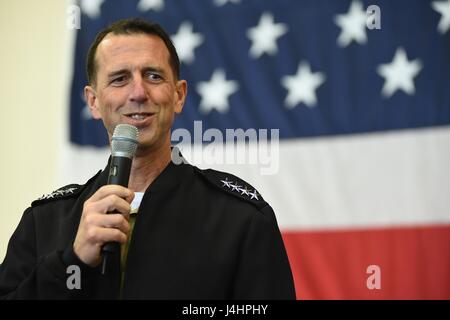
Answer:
(145, 5)
(302, 86)
(91, 7)
(215, 93)
(265, 35)
(399, 74)
(353, 25)
(444, 9)
(185, 40)
(224, 2)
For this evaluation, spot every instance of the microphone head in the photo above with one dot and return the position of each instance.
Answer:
(124, 141)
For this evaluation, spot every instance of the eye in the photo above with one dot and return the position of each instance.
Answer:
(119, 80)
(154, 77)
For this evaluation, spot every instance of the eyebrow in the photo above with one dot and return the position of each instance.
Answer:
(125, 71)
(118, 72)
(154, 69)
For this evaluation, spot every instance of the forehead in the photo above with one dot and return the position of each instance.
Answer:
(115, 50)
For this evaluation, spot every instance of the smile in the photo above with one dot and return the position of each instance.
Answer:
(139, 119)
(137, 116)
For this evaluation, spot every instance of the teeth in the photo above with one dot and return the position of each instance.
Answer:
(137, 116)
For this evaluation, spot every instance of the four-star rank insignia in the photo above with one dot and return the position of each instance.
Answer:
(232, 185)
(60, 193)
(243, 190)
(68, 191)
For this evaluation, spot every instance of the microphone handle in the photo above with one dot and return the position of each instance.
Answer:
(119, 173)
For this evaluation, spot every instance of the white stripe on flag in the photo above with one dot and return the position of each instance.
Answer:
(368, 180)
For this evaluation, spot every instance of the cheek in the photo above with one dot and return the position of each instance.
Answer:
(162, 95)
(166, 116)
(111, 100)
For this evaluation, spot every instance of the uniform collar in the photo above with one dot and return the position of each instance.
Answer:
(169, 178)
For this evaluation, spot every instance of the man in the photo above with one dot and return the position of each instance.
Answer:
(198, 234)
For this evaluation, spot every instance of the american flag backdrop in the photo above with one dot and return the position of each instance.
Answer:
(362, 187)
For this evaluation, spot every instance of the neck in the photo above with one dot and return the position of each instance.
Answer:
(146, 167)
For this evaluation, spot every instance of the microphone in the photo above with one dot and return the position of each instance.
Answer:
(124, 143)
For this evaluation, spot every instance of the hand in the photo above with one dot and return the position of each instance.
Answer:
(98, 227)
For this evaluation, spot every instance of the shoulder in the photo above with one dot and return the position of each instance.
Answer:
(232, 186)
(66, 192)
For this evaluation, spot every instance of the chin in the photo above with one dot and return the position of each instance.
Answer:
(148, 145)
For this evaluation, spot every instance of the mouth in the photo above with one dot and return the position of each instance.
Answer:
(139, 119)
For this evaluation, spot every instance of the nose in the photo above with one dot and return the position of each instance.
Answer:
(138, 92)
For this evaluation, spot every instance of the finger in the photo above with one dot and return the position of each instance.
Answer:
(111, 189)
(111, 203)
(116, 221)
(112, 220)
(104, 235)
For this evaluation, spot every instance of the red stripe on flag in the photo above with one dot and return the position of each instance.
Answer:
(414, 263)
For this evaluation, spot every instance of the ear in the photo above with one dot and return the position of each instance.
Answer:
(181, 91)
(91, 99)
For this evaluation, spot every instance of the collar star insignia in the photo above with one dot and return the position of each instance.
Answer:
(244, 191)
(226, 183)
(58, 193)
(235, 186)
(254, 195)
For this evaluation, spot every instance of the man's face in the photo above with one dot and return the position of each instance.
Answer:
(135, 85)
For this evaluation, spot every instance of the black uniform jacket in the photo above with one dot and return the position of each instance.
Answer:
(199, 234)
